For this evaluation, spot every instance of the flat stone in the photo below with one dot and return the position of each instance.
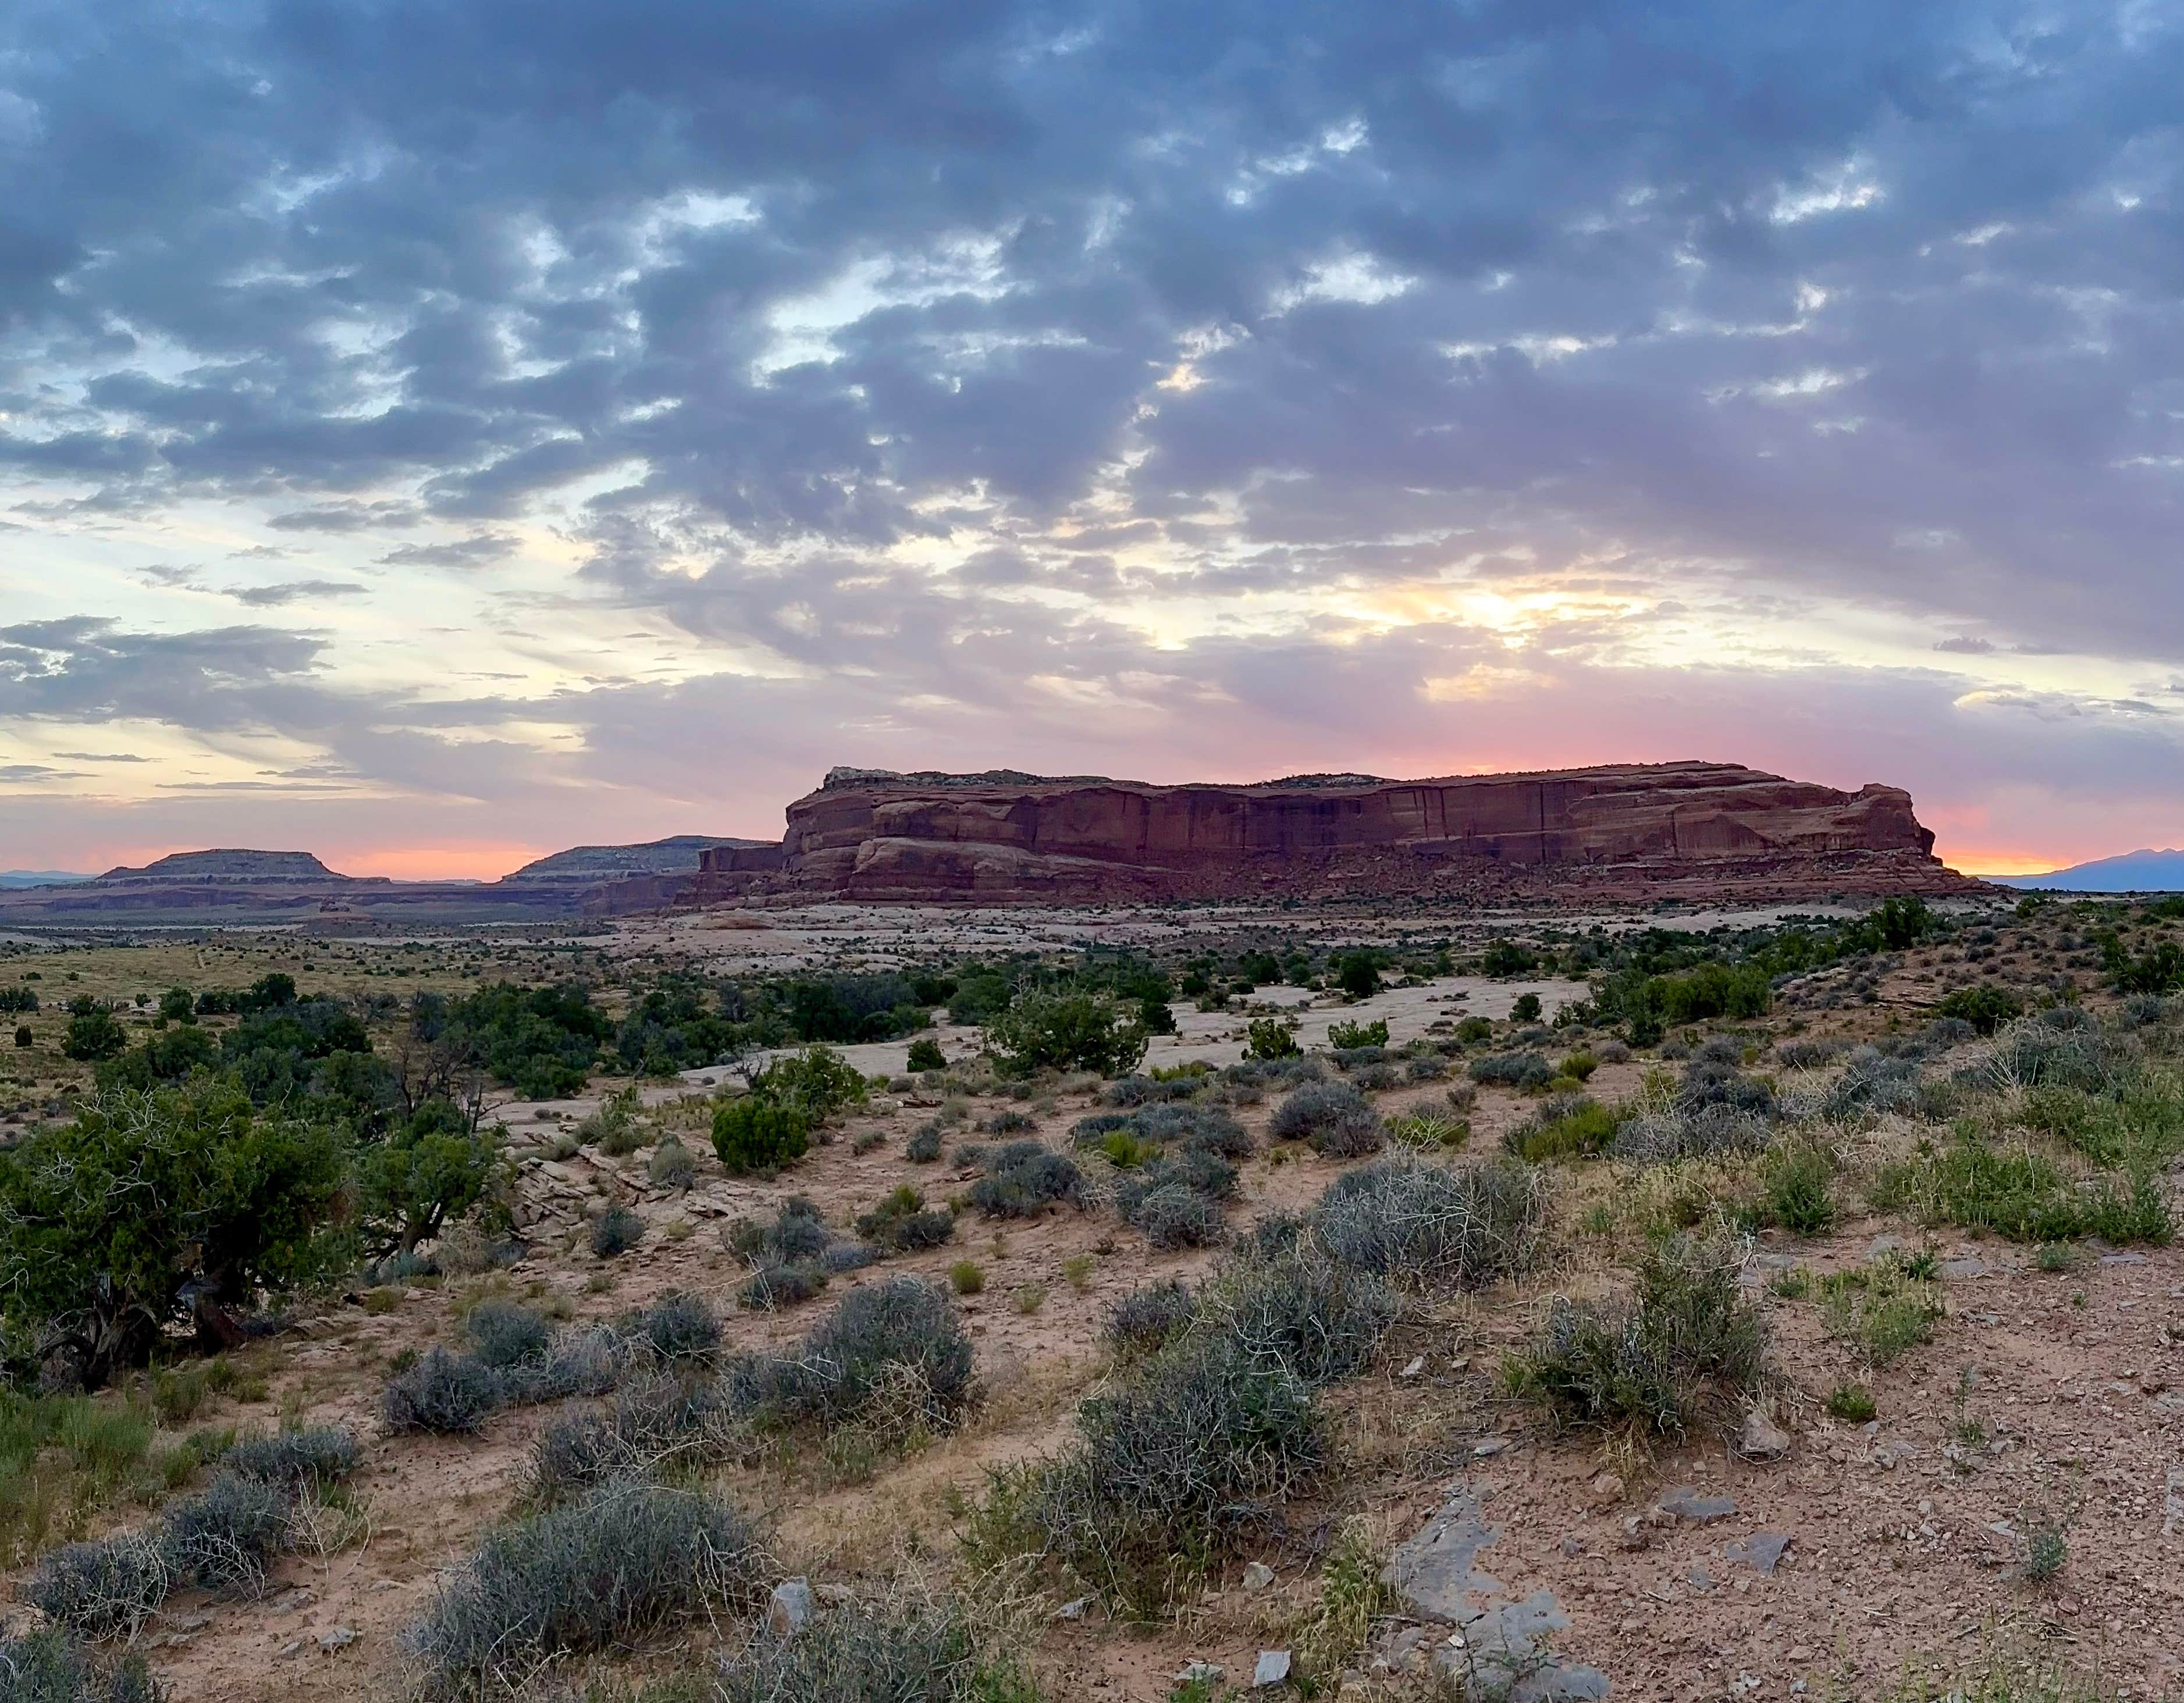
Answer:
(1958, 1269)
(1257, 1576)
(294, 1646)
(1762, 1551)
(1685, 1503)
(2123, 1258)
(1271, 1668)
(1416, 1366)
(1762, 1438)
(338, 1638)
(1700, 1577)
(1489, 1447)
(789, 1607)
(1497, 1649)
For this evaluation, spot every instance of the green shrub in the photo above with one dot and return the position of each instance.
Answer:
(902, 1223)
(427, 1170)
(1270, 1038)
(755, 1133)
(94, 1033)
(247, 1204)
(505, 1334)
(1525, 1009)
(615, 1232)
(2020, 1194)
(1567, 1127)
(925, 1055)
(1799, 1181)
(1357, 974)
(1342, 1037)
(1685, 1353)
(1985, 1008)
(1066, 1032)
(595, 1574)
(671, 1166)
(966, 1277)
(815, 1083)
(1853, 1402)
(924, 1145)
(1887, 1308)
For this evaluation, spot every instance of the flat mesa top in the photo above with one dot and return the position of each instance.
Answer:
(847, 779)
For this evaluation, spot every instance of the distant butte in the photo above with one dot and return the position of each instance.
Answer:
(1630, 831)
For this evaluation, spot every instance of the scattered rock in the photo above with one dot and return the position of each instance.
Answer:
(1416, 1366)
(1762, 1551)
(1958, 1269)
(202, 1619)
(338, 1638)
(1206, 1673)
(1685, 1503)
(1271, 1668)
(1257, 1576)
(1489, 1447)
(1762, 1438)
(789, 1607)
(1605, 1485)
(294, 1646)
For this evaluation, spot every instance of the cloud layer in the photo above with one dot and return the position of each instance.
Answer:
(670, 400)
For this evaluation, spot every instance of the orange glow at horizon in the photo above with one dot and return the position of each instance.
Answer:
(477, 861)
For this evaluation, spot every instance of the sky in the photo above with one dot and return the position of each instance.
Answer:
(434, 432)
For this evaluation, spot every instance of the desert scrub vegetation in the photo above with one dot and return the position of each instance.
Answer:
(1212, 1420)
(224, 1537)
(1022, 1178)
(1413, 1221)
(892, 1353)
(1682, 1354)
(2015, 1191)
(516, 1359)
(1564, 1126)
(917, 1649)
(1885, 1309)
(50, 1665)
(1332, 1118)
(593, 1574)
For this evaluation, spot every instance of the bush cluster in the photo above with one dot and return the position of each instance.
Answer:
(898, 1344)
(590, 1575)
(1333, 1117)
(224, 1538)
(1686, 1351)
(51, 1666)
(1022, 1178)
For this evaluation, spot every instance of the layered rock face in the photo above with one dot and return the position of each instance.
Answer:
(1624, 831)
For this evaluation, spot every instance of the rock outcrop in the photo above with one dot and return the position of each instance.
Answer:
(1621, 831)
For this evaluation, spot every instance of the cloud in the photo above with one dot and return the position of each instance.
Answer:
(461, 552)
(275, 596)
(1085, 379)
(14, 773)
(102, 757)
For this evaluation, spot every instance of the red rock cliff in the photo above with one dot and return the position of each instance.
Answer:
(1632, 829)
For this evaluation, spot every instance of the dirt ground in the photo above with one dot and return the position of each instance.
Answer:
(2044, 1399)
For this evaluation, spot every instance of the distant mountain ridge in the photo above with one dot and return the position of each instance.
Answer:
(2138, 872)
(13, 878)
(238, 884)
(607, 863)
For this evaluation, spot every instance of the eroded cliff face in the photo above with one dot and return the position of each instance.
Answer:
(1634, 830)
